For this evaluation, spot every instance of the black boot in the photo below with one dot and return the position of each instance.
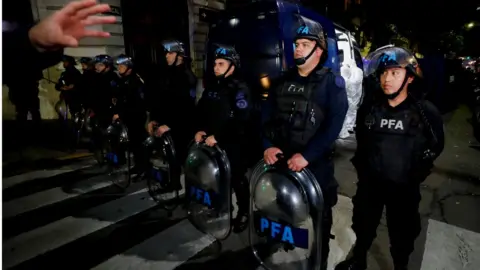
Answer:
(400, 267)
(352, 264)
(240, 222)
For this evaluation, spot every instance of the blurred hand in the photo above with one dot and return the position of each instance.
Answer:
(199, 136)
(67, 26)
(150, 127)
(270, 155)
(162, 129)
(210, 141)
(115, 117)
(297, 162)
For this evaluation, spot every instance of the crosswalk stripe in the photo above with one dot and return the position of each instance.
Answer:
(29, 176)
(166, 250)
(54, 235)
(54, 195)
(450, 247)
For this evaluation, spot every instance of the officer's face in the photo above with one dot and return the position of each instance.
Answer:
(304, 47)
(170, 56)
(221, 66)
(392, 79)
(65, 64)
(99, 67)
(122, 69)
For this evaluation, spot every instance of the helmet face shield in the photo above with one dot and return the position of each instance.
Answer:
(390, 57)
(174, 46)
(228, 53)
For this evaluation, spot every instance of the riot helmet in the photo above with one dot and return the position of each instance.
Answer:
(68, 61)
(229, 54)
(173, 50)
(313, 31)
(103, 63)
(391, 57)
(86, 63)
(124, 64)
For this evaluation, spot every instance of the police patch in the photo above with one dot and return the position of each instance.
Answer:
(242, 104)
(240, 95)
(339, 81)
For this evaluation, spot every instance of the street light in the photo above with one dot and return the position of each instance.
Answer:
(470, 25)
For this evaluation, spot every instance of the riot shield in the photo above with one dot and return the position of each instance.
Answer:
(285, 217)
(118, 154)
(207, 181)
(163, 171)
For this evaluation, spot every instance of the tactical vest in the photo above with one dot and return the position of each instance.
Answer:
(298, 117)
(396, 141)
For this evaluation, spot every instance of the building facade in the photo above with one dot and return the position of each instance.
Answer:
(138, 31)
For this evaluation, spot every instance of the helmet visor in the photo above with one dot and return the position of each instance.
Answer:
(389, 57)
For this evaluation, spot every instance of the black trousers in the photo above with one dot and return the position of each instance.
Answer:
(25, 98)
(137, 135)
(403, 218)
(324, 173)
(239, 182)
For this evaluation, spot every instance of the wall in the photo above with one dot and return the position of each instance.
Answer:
(199, 31)
(113, 45)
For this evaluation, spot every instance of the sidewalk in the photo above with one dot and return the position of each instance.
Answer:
(37, 149)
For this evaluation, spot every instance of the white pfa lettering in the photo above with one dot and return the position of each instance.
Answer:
(293, 88)
(391, 123)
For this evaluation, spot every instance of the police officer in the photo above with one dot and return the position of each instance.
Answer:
(87, 82)
(131, 109)
(172, 105)
(398, 138)
(303, 117)
(68, 85)
(106, 85)
(224, 112)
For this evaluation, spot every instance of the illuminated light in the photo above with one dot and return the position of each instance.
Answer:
(470, 25)
(265, 81)
(234, 21)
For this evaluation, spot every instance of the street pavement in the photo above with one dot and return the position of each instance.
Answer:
(67, 214)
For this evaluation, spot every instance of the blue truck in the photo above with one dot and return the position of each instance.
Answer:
(262, 32)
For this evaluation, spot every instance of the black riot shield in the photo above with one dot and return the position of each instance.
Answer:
(163, 170)
(118, 154)
(207, 181)
(286, 213)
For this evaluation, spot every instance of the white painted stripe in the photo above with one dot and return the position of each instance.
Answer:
(48, 197)
(166, 250)
(54, 235)
(21, 178)
(450, 247)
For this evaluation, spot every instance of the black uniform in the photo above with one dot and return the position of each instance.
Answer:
(132, 110)
(224, 111)
(390, 165)
(305, 115)
(87, 87)
(396, 147)
(105, 88)
(172, 103)
(15, 43)
(71, 76)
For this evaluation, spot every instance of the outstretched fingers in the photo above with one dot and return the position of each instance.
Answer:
(92, 20)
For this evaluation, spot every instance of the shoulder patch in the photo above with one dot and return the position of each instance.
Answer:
(339, 81)
(242, 104)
